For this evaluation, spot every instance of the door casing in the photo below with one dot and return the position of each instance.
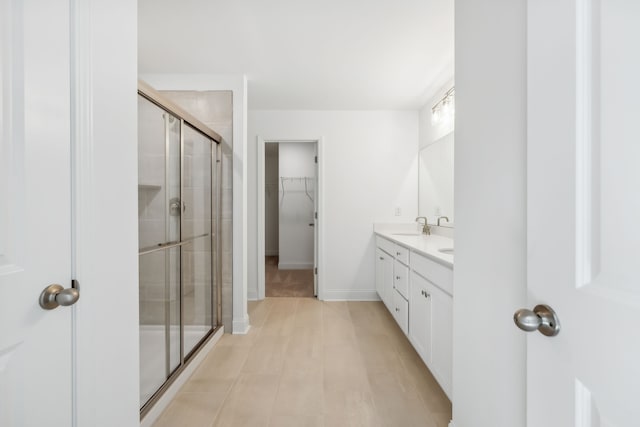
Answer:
(319, 241)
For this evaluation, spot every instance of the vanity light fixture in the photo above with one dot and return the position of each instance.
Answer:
(444, 110)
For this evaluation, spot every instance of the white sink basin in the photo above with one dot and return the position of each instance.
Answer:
(415, 233)
(448, 251)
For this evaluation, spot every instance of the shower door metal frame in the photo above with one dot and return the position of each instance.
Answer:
(153, 96)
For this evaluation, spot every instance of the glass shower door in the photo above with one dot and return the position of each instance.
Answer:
(197, 227)
(178, 198)
(159, 262)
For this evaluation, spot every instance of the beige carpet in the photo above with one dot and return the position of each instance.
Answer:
(286, 283)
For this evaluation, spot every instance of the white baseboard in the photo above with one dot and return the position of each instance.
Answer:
(295, 265)
(252, 295)
(451, 424)
(350, 295)
(240, 326)
(154, 413)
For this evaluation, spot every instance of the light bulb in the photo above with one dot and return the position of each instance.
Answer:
(435, 116)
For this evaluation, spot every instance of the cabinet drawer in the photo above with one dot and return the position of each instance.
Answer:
(386, 245)
(401, 312)
(401, 278)
(401, 254)
(434, 272)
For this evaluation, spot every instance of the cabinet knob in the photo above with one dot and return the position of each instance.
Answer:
(398, 253)
(397, 309)
(397, 277)
(381, 258)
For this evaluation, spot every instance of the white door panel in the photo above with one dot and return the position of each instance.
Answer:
(584, 210)
(316, 225)
(35, 202)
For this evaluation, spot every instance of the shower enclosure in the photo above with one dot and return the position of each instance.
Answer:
(179, 253)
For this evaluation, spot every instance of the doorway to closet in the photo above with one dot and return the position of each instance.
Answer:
(290, 218)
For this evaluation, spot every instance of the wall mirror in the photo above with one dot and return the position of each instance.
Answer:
(435, 181)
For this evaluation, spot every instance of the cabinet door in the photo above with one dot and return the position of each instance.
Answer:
(380, 256)
(384, 277)
(401, 311)
(441, 336)
(420, 317)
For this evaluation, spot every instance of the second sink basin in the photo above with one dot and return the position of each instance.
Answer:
(448, 251)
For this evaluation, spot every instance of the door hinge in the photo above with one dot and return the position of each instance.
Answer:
(315, 215)
(315, 270)
(315, 159)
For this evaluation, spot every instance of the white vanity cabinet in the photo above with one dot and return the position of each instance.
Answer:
(392, 279)
(431, 316)
(430, 327)
(418, 292)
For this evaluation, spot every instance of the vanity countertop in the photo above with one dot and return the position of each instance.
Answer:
(427, 245)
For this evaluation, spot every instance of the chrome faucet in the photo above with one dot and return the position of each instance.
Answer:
(425, 226)
(441, 217)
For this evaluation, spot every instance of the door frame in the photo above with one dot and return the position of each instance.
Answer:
(260, 241)
(104, 213)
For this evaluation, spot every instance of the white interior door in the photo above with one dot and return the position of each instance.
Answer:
(35, 248)
(584, 211)
(315, 221)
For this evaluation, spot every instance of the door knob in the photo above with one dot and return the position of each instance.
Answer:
(54, 295)
(542, 319)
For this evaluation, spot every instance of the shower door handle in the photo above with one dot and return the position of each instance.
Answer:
(175, 205)
(55, 295)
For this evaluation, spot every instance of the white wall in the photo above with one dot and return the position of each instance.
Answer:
(271, 195)
(490, 201)
(296, 160)
(369, 160)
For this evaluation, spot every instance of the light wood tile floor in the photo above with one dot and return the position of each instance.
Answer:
(311, 363)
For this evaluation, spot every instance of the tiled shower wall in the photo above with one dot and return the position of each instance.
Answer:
(215, 109)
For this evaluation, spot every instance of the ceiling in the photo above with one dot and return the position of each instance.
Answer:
(306, 54)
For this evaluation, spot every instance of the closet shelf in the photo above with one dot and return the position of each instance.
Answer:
(301, 179)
